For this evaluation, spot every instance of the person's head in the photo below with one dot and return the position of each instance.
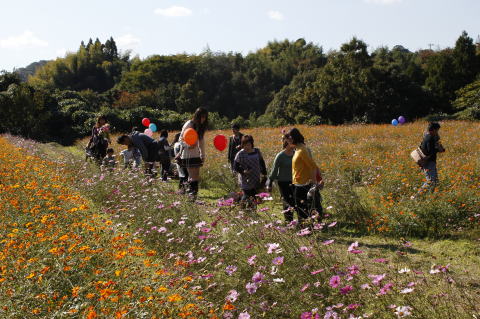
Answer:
(124, 140)
(433, 128)
(247, 142)
(164, 133)
(287, 142)
(176, 138)
(200, 120)
(110, 151)
(101, 121)
(235, 129)
(296, 137)
(200, 116)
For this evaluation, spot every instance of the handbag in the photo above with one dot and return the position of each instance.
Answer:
(419, 157)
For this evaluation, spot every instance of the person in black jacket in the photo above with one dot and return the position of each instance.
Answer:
(430, 147)
(234, 145)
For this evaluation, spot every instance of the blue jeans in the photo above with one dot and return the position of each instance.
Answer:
(431, 175)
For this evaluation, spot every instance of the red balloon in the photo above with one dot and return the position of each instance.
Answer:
(146, 122)
(220, 142)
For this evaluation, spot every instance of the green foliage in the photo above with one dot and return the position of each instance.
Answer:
(97, 67)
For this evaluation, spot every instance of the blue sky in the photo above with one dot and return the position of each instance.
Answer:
(31, 30)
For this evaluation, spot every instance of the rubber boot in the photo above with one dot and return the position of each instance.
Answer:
(193, 191)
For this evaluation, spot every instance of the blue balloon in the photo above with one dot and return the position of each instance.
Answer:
(152, 127)
(394, 122)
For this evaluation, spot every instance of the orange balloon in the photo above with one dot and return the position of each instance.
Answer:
(190, 136)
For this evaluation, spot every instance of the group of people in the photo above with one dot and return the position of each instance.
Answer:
(294, 169)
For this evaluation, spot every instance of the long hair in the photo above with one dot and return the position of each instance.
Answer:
(296, 136)
(197, 124)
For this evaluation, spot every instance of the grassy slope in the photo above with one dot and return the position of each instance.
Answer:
(364, 151)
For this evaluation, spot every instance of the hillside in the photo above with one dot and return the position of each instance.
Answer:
(30, 69)
(114, 244)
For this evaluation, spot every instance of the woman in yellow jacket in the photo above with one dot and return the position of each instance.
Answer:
(305, 175)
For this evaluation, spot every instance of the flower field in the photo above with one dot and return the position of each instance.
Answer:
(76, 242)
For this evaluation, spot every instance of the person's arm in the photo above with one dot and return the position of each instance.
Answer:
(276, 166)
(201, 146)
(237, 165)
(230, 150)
(263, 167)
(427, 146)
(186, 126)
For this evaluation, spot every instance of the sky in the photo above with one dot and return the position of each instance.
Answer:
(32, 30)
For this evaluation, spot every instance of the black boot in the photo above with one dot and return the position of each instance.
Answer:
(193, 191)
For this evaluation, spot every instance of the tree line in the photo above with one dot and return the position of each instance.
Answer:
(286, 82)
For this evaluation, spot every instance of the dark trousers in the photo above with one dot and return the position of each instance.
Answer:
(286, 191)
(301, 203)
(248, 193)
(306, 206)
(165, 161)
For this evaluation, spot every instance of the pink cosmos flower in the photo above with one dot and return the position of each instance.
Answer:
(264, 195)
(303, 249)
(230, 270)
(251, 260)
(272, 247)
(251, 287)
(353, 248)
(305, 287)
(232, 296)
(354, 270)
(328, 242)
(345, 290)
(334, 281)
(258, 277)
(376, 279)
(332, 224)
(278, 260)
(304, 232)
(353, 306)
(385, 289)
(317, 271)
(381, 260)
(309, 315)
(244, 315)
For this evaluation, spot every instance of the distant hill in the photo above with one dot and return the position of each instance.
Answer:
(30, 69)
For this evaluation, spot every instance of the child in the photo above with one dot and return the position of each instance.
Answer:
(249, 165)
(182, 172)
(109, 161)
(131, 157)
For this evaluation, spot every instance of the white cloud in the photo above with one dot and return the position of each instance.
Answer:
(384, 2)
(275, 15)
(25, 40)
(174, 11)
(127, 41)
